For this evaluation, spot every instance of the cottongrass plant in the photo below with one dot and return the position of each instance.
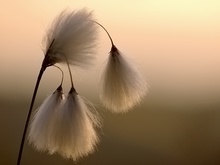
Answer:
(75, 135)
(71, 39)
(64, 126)
(122, 86)
(71, 36)
(44, 122)
(67, 124)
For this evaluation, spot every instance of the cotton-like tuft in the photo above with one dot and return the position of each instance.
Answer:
(122, 86)
(75, 134)
(43, 124)
(72, 36)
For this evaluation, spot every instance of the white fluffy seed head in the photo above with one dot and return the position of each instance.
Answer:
(74, 36)
(122, 86)
(75, 134)
(42, 125)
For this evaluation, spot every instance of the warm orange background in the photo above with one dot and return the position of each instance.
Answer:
(175, 44)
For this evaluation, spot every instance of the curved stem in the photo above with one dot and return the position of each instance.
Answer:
(29, 114)
(61, 72)
(105, 31)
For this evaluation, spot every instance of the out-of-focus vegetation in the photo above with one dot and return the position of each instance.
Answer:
(159, 132)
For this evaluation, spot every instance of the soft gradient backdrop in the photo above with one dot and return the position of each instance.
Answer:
(175, 44)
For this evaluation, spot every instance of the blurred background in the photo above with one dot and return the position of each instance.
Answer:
(174, 43)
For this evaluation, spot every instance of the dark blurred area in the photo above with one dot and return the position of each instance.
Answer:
(161, 131)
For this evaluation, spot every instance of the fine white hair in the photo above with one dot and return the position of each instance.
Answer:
(72, 36)
(42, 126)
(67, 125)
(75, 134)
(122, 86)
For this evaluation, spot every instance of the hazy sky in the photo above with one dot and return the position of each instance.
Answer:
(175, 43)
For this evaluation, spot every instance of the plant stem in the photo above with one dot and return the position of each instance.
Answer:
(105, 31)
(70, 73)
(29, 114)
(71, 77)
(61, 73)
